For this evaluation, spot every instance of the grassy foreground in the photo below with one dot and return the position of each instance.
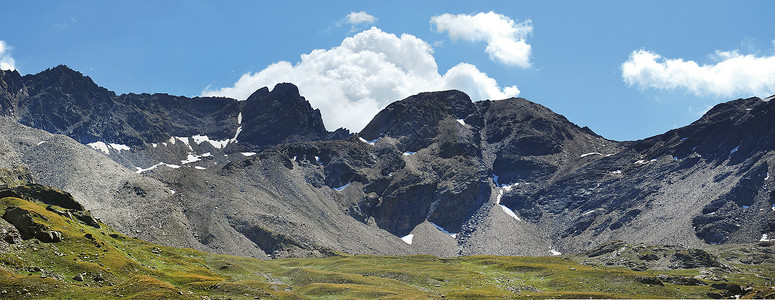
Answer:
(100, 263)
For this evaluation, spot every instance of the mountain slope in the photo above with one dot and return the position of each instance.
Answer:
(433, 173)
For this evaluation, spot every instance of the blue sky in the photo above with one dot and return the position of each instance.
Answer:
(627, 70)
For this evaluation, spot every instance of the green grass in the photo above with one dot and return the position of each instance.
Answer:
(116, 266)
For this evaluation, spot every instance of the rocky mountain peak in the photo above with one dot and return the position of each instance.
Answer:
(258, 94)
(281, 115)
(416, 119)
(61, 100)
(65, 78)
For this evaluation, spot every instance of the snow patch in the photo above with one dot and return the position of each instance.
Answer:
(239, 118)
(100, 146)
(339, 189)
(765, 178)
(453, 235)
(119, 147)
(191, 158)
(509, 187)
(236, 134)
(734, 150)
(317, 159)
(198, 139)
(554, 252)
(369, 142)
(643, 162)
(773, 207)
(200, 168)
(182, 139)
(141, 170)
(505, 209)
(461, 121)
(509, 212)
(590, 153)
(172, 191)
(41, 143)
(253, 153)
(155, 145)
(617, 172)
(407, 153)
(746, 206)
(589, 212)
(408, 238)
(683, 139)
(764, 238)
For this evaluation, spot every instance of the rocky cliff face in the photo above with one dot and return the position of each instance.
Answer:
(63, 101)
(433, 173)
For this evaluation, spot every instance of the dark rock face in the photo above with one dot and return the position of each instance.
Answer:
(280, 116)
(9, 235)
(450, 185)
(63, 101)
(42, 193)
(693, 258)
(28, 228)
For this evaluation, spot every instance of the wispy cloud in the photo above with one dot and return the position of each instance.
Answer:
(64, 25)
(360, 17)
(351, 82)
(356, 20)
(731, 75)
(6, 61)
(505, 37)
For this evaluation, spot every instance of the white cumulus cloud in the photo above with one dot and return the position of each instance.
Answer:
(505, 37)
(351, 82)
(732, 75)
(6, 61)
(360, 17)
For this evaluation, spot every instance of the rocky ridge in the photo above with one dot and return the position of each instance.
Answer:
(434, 173)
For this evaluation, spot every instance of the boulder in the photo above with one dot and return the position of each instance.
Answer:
(9, 234)
(649, 280)
(25, 223)
(679, 280)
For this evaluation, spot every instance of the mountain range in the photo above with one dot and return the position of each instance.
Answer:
(435, 173)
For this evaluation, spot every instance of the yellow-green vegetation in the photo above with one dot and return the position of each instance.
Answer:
(100, 263)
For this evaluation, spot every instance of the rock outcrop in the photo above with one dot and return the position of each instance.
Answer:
(25, 223)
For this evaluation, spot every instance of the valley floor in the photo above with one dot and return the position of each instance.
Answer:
(91, 262)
